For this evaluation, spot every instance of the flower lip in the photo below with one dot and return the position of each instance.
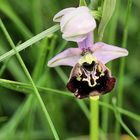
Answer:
(100, 84)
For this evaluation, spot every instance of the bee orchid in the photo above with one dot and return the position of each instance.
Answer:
(89, 76)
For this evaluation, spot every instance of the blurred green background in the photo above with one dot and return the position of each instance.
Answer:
(21, 117)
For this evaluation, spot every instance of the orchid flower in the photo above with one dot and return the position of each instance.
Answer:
(89, 75)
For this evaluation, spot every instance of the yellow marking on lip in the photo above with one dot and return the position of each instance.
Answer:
(88, 57)
(100, 70)
(102, 74)
(89, 83)
(78, 78)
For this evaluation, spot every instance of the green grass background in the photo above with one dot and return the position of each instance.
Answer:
(21, 115)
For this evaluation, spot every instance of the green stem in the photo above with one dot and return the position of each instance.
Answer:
(105, 111)
(81, 103)
(106, 114)
(122, 66)
(94, 119)
(93, 4)
(31, 81)
(3, 67)
(30, 42)
(82, 3)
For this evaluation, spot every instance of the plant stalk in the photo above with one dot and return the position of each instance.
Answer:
(31, 81)
(94, 118)
(122, 67)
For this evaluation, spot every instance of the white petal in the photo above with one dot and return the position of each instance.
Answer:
(105, 53)
(78, 19)
(74, 27)
(77, 23)
(66, 18)
(77, 38)
(68, 57)
(59, 15)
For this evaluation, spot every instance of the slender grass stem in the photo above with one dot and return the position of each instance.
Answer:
(111, 40)
(27, 87)
(6, 8)
(108, 7)
(10, 127)
(119, 118)
(82, 3)
(3, 67)
(81, 103)
(38, 69)
(93, 4)
(94, 118)
(122, 66)
(105, 114)
(32, 82)
(30, 42)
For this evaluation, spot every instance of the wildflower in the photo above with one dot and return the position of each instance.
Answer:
(89, 76)
(75, 23)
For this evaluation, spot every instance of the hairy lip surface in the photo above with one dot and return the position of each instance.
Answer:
(81, 88)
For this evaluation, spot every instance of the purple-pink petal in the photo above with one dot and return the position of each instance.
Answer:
(87, 43)
(68, 57)
(105, 53)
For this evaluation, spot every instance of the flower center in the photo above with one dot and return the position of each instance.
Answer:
(88, 58)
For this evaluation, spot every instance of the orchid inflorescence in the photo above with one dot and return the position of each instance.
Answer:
(89, 75)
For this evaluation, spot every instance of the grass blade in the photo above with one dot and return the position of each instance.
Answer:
(7, 10)
(30, 42)
(82, 3)
(32, 82)
(122, 64)
(81, 103)
(108, 9)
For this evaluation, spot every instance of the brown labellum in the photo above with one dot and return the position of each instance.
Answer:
(90, 80)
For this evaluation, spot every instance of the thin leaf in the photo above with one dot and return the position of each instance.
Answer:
(27, 88)
(121, 110)
(93, 4)
(37, 19)
(38, 69)
(18, 116)
(107, 12)
(81, 103)
(12, 66)
(6, 8)
(30, 42)
(36, 92)
(118, 117)
(82, 3)
(96, 14)
(129, 114)
(122, 63)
